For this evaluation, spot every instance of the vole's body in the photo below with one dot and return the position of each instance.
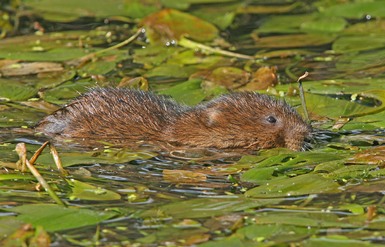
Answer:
(240, 120)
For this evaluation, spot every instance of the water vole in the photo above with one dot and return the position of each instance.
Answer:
(243, 120)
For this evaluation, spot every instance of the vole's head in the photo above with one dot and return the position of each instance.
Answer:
(250, 121)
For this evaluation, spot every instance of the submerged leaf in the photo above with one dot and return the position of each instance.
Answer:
(183, 176)
(206, 207)
(293, 40)
(18, 69)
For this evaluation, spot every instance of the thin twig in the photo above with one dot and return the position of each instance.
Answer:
(57, 160)
(21, 150)
(121, 44)
(86, 58)
(302, 95)
(37, 153)
(55, 157)
(194, 45)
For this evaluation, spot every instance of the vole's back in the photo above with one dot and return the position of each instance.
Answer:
(110, 113)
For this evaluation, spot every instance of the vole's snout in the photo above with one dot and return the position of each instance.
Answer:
(308, 143)
(299, 138)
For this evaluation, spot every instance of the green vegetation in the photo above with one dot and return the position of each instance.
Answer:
(53, 50)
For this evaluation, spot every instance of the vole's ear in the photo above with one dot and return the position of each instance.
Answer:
(212, 117)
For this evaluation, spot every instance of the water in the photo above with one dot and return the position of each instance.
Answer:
(333, 193)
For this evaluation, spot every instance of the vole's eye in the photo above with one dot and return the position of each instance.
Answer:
(271, 119)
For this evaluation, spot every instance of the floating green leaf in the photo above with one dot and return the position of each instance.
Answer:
(189, 92)
(57, 10)
(323, 24)
(187, 3)
(15, 92)
(140, 9)
(338, 240)
(340, 43)
(58, 54)
(16, 176)
(291, 163)
(58, 218)
(275, 233)
(357, 9)
(284, 23)
(108, 156)
(352, 171)
(376, 26)
(359, 43)
(154, 55)
(299, 185)
(222, 16)
(66, 91)
(170, 25)
(325, 105)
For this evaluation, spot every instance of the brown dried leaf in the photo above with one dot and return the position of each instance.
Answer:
(262, 79)
(196, 239)
(371, 156)
(18, 69)
(136, 82)
(340, 123)
(26, 235)
(41, 105)
(5, 62)
(228, 77)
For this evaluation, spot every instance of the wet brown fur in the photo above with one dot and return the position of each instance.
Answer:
(237, 120)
